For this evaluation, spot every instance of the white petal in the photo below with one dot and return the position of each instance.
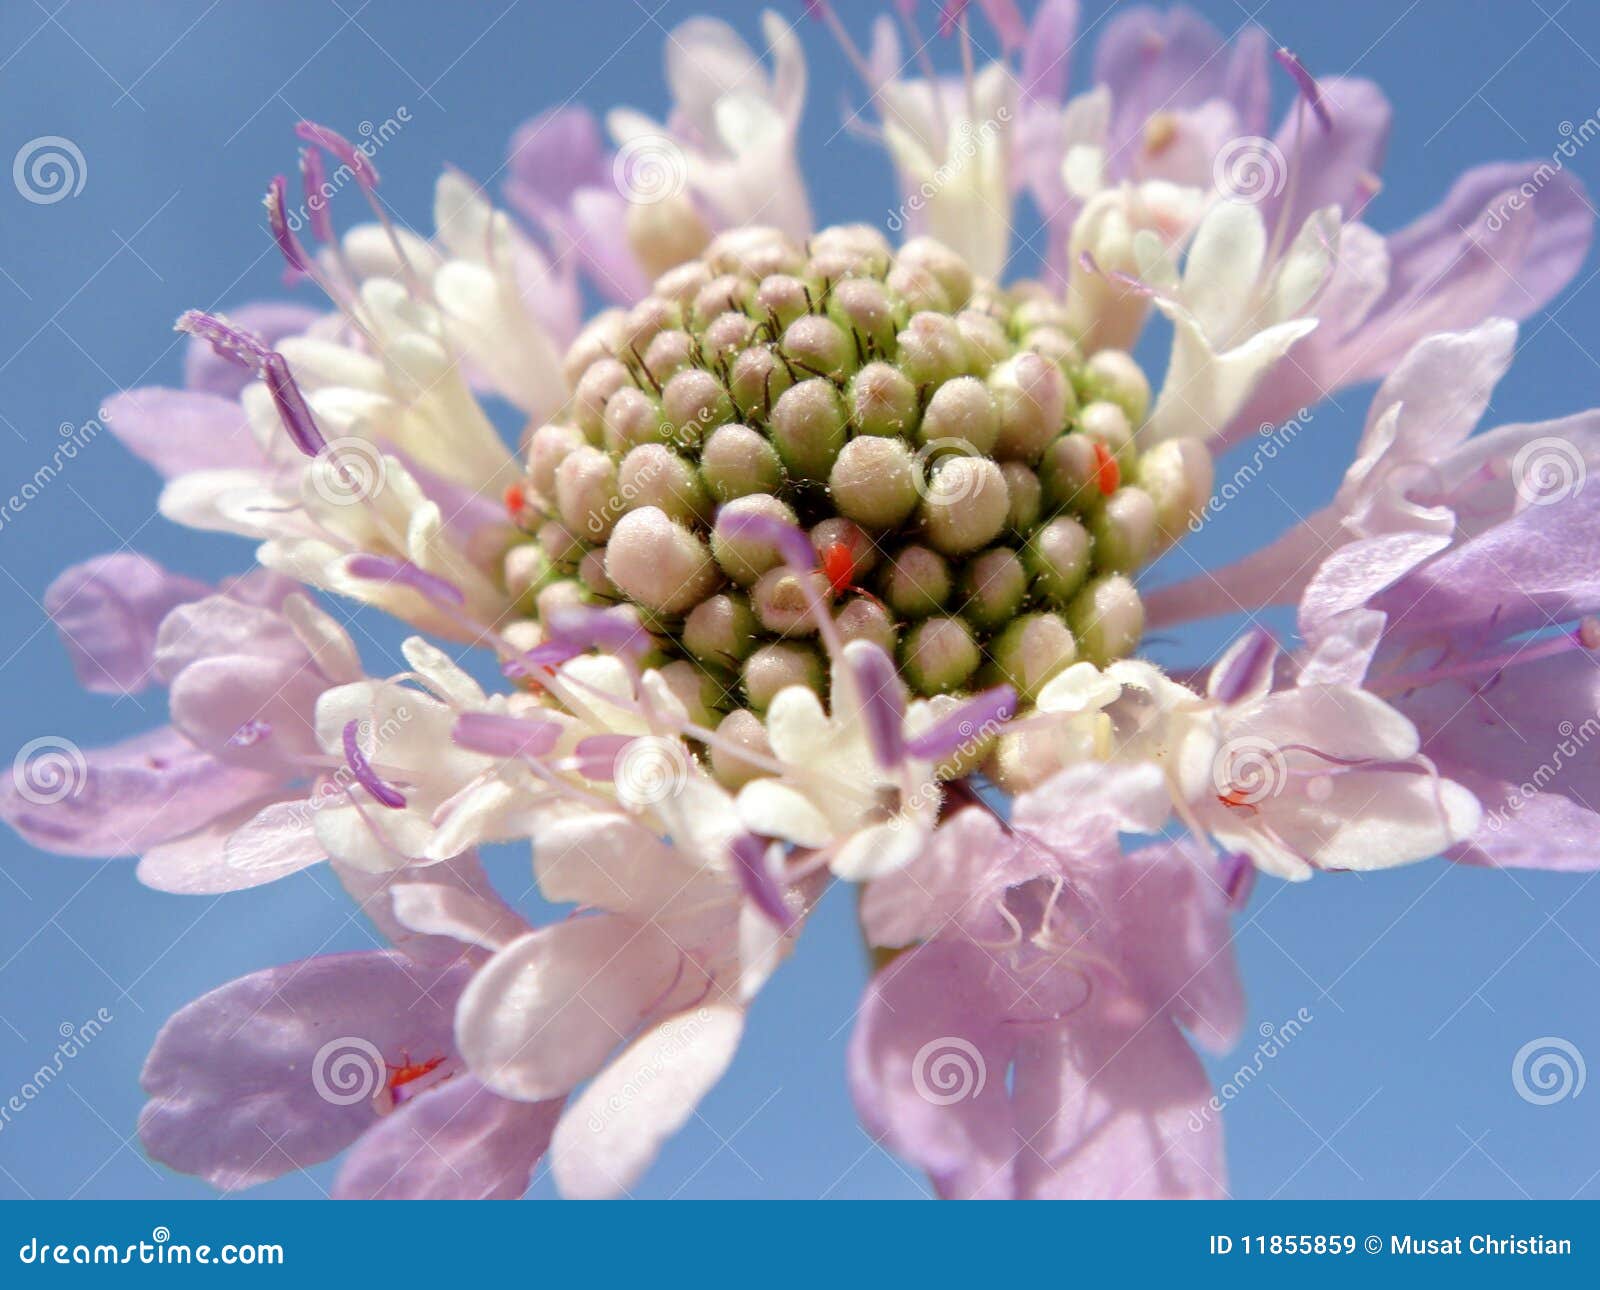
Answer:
(778, 811)
(544, 1013)
(613, 1130)
(878, 850)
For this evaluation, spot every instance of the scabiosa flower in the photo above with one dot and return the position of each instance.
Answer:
(821, 556)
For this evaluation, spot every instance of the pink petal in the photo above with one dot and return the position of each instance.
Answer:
(125, 798)
(108, 610)
(177, 431)
(279, 1069)
(456, 1141)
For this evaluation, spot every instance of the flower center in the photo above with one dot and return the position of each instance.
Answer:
(970, 482)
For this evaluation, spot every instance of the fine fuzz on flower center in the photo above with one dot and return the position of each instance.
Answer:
(971, 484)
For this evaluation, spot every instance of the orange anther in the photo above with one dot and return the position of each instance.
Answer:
(1107, 474)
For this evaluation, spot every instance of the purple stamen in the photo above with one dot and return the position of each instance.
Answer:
(229, 342)
(338, 146)
(1244, 667)
(791, 542)
(755, 876)
(597, 755)
(293, 253)
(365, 775)
(313, 180)
(1309, 89)
(293, 410)
(499, 736)
(883, 701)
(247, 350)
(383, 568)
(616, 630)
(970, 722)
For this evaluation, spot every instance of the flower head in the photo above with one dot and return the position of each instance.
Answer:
(823, 556)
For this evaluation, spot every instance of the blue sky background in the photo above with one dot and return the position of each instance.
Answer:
(1422, 984)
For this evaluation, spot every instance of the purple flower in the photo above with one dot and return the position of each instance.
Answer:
(208, 802)
(289, 1066)
(1030, 1044)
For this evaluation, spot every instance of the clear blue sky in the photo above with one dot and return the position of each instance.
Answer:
(1422, 984)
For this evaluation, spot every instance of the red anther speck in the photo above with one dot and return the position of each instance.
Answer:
(838, 566)
(1107, 474)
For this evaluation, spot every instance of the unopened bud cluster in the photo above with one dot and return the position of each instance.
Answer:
(971, 483)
